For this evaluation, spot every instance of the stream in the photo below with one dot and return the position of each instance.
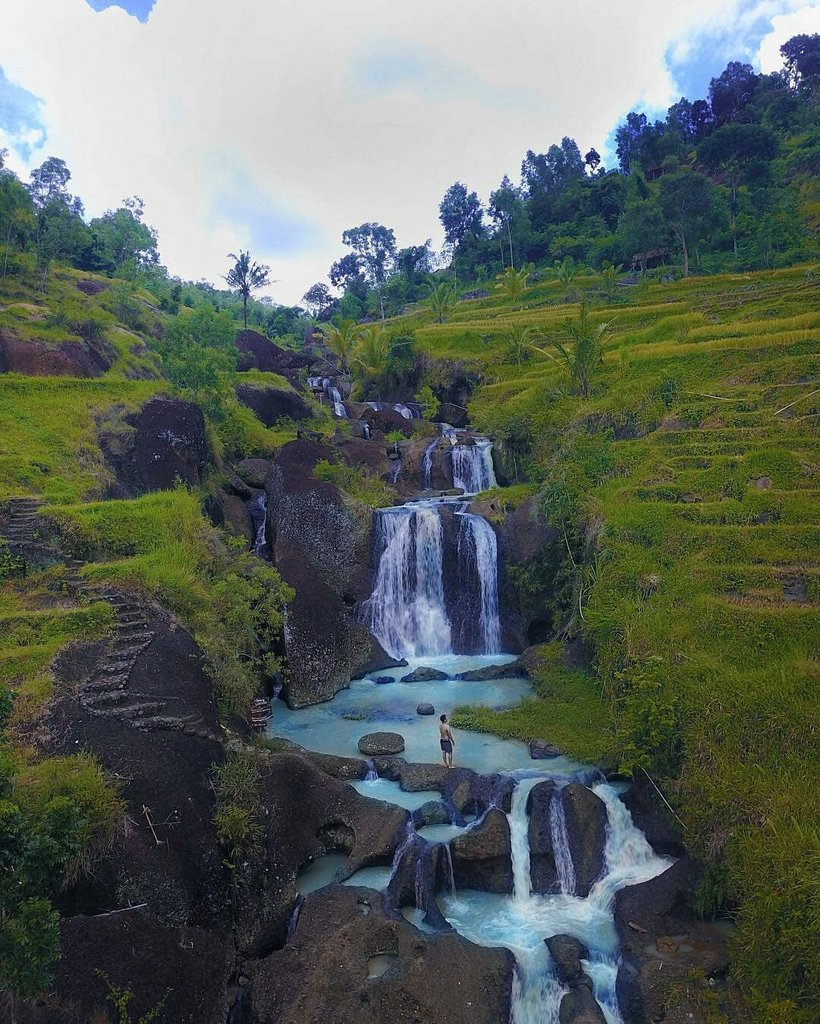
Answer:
(410, 615)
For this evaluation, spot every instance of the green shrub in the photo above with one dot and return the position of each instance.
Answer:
(356, 482)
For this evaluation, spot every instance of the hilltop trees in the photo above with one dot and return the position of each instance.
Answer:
(246, 276)
(374, 252)
(121, 240)
(461, 217)
(685, 198)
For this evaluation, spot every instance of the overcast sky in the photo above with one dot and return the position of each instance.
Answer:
(275, 124)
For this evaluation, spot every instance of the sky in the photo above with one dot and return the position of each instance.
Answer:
(274, 125)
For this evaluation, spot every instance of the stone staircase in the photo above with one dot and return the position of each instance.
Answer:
(107, 691)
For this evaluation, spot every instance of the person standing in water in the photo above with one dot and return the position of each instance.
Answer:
(447, 742)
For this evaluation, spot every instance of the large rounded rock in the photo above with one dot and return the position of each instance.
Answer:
(481, 856)
(579, 1007)
(586, 819)
(543, 873)
(321, 974)
(168, 442)
(652, 817)
(69, 358)
(253, 472)
(542, 750)
(425, 709)
(567, 953)
(270, 405)
(373, 744)
(424, 675)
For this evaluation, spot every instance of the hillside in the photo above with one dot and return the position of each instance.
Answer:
(685, 486)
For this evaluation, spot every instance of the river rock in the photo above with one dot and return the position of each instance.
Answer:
(543, 873)
(541, 750)
(481, 856)
(254, 472)
(567, 953)
(418, 873)
(373, 744)
(509, 670)
(586, 820)
(425, 709)
(321, 974)
(580, 1007)
(383, 680)
(652, 817)
(661, 906)
(424, 675)
(432, 813)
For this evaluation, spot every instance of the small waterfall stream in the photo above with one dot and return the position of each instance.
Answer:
(473, 466)
(560, 846)
(258, 510)
(478, 548)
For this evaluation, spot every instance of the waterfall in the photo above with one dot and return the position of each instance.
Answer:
(294, 918)
(482, 552)
(258, 509)
(519, 841)
(449, 877)
(406, 611)
(427, 465)
(372, 774)
(560, 846)
(473, 466)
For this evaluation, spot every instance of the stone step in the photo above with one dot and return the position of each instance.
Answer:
(131, 711)
(105, 684)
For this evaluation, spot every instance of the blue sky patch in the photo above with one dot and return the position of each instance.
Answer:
(139, 8)
(270, 227)
(20, 116)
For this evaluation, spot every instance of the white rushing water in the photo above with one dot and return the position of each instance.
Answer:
(427, 465)
(473, 466)
(406, 611)
(480, 550)
(560, 847)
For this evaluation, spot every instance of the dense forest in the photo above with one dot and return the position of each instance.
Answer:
(639, 342)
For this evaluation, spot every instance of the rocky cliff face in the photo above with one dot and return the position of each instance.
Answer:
(321, 546)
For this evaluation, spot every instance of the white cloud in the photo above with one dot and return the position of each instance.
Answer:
(784, 26)
(275, 95)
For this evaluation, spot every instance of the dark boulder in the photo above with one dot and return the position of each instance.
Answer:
(374, 744)
(454, 415)
(652, 817)
(425, 709)
(543, 873)
(481, 856)
(167, 442)
(541, 750)
(579, 1007)
(383, 680)
(419, 872)
(434, 812)
(65, 359)
(509, 670)
(270, 405)
(253, 472)
(307, 814)
(236, 517)
(90, 287)
(321, 546)
(322, 974)
(586, 819)
(661, 906)
(424, 675)
(256, 352)
(386, 421)
(567, 953)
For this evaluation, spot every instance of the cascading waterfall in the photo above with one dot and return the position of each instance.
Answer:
(258, 509)
(478, 537)
(560, 846)
(473, 466)
(406, 611)
(427, 465)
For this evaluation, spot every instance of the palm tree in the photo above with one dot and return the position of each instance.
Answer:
(584, 351)
(566, 270)
(609, 279)
(245, 276)
(341, 340)
(511, 283)
(520, 341)
(441, 299)
(371, 352)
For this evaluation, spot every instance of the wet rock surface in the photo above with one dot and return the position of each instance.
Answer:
(374, 744)
(425, 709)
(578, 1006)
(543, 873)
(481, 857)
(424, 675)
(567, 953)
(433, 978)
(542, 750)
(586, 819)
(509, 670)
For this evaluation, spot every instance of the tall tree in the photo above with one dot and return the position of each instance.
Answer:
(735, 149)
(801, 62)
(685, 198)
(317, 298)
(246, 276)
(641, 230)
(461, 216)
(120, 238)
(60, 229)
(506, 207)
(374, 246)
(732, 91)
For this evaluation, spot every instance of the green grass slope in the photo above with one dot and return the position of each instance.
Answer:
(686, 484)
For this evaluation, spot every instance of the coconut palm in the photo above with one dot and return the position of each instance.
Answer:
(566, 270)
(609, 279)
(512, 283)
(582, 350)
(246, 276)
(441, 299)
(520, 341)
(341, 339)
(369, 359)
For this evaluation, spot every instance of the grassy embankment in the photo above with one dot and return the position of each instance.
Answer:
(687, 484)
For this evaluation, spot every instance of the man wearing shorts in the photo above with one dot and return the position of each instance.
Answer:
(447, 742)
